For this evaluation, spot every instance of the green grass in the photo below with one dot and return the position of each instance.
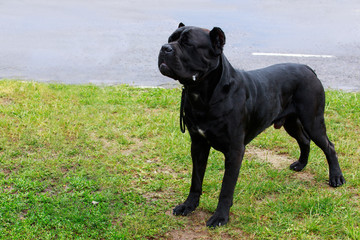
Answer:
(62, 147)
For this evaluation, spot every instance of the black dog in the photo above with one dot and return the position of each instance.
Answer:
(225, 109)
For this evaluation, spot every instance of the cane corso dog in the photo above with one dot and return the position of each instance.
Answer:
(226, 108)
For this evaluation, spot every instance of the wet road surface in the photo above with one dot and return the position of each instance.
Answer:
(115, 42)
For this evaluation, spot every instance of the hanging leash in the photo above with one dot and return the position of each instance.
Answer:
(182, 113)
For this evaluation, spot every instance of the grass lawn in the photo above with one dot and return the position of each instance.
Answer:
(90, 162)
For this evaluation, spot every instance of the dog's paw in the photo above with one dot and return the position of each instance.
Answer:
(297, 166)
(336, 181)
(183, 209)
(217, 220)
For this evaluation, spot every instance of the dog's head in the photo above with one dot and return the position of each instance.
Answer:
(191, 53)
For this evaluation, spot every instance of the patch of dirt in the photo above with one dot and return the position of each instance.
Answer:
(23, 214)
(355, 199)
(305, 176)
(196, 228)
(138, 144)
(5, 101)
(278, 161)
(112, 147)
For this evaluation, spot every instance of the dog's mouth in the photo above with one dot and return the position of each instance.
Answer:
(164, 67)
(166, 70)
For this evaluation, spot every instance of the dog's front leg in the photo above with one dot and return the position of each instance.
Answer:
(233, 161)
(199, 154)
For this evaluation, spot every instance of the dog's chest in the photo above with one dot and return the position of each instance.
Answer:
(210, 121)
(217, 137)
(199, 123)
(199, 120)
(210, 127)
(201, 132)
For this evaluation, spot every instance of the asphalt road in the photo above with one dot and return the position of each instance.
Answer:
(114, 42)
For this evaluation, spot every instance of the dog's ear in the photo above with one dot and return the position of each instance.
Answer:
(217, 37)
(181, 25)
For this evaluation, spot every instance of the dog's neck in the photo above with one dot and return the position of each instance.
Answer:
(201, 90)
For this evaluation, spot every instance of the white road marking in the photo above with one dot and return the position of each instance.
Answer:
(292, 55)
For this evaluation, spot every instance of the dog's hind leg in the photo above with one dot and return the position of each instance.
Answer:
(295, 129)
(309, 100)
(311, 114)
(317, 133)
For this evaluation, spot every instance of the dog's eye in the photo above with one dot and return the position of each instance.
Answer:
(185, 41)
(175, 36)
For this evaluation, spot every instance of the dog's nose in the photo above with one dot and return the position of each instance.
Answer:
(167, 48)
